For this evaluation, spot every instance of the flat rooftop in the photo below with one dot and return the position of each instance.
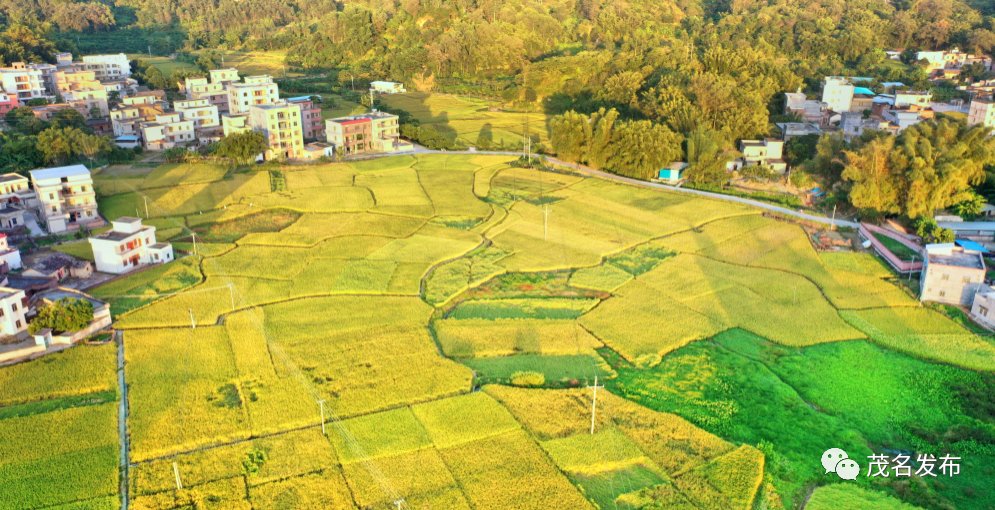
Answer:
(113, 235)
(968, 260)
(60, 172)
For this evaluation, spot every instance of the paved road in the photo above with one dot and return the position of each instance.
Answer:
(818, 218)
(122, 420)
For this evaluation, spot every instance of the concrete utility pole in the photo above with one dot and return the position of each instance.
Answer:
(194, 236)
(545, 221)
(146, 199)
(231, 295)
(399, 503)
(176, 475)
(832, 225)
(321, 409)
(193, 323)
(594, 402)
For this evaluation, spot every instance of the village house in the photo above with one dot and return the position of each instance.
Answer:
(15, 191)
(26, 83)
(214, 93)
(983, 307)
(253, 91)
(837, 93)
(128, 245)
(11, 218)
(66, 198)
(13, 311)
(767, 152)
(59, 266)
(982, 111)
(791, 130)
(311, 119)
(913, 97)
(167, 131)
(224, 76)
(317, 150)
(126, 120)
(146, 97)
(8, 102)
(951, 274)
(10, 258)
(809, 110)
(387, 87)
(48, 111)
(206, 121)
(369, 132)
(48, 339)
(107, 67)
(280, 124)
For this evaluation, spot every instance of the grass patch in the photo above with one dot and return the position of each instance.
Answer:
(898, 249)
(560, 371)
(270, 220)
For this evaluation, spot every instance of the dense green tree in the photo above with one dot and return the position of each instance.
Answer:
(708, 154)
(876, 183)
(241, 148)
(941, 161)
(60, 145)
(570, 135)
(64, 315)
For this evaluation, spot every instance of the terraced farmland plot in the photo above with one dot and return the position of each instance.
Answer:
(183, 389)
(690, 297)
(924, 333)
(393, 288)
(468, 118)
(59, 457)
(87, 369)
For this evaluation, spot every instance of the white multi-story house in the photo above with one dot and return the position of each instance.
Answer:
(65, 197)
(128, 245)
(108, 67)
(913, 97)
(27, 83)
(253, 91)
(13, 307)
(200, 111)
(15, 192)
(982, 112)
(167, 131)
(837, 93)
(9, 256)
(767, 152)
(127, 120)
(223, 76)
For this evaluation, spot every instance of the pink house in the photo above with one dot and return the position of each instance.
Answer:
(8, 102)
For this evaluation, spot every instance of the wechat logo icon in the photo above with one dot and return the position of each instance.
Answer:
(835, 460)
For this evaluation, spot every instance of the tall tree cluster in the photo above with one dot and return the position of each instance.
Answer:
(930, 166)
(634, 148)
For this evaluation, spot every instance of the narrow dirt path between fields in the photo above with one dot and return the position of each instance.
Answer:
(122, 420)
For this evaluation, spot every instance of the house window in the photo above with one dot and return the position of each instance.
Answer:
(13, 307)
(18, 324)
(967, 279)
(943, 293)
(983, 310)
(945, 277)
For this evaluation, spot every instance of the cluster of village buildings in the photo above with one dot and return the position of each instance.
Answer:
(849, 106)
(101, 89)
(62, 199)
